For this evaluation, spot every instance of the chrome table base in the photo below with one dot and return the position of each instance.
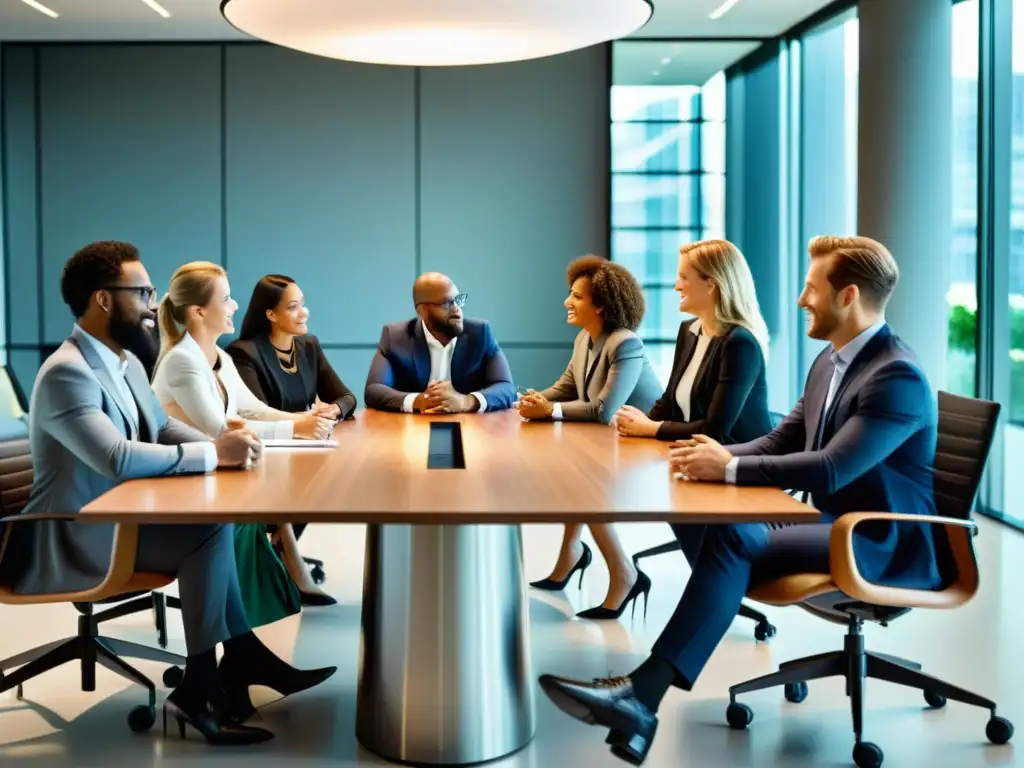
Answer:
(444, 672)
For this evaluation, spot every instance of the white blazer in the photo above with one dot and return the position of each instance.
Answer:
(186, 386)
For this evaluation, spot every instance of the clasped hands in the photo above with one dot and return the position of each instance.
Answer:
(632, 422)
(533, 405)
(441, 397)
(699, 458)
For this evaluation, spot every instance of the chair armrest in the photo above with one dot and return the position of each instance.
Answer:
(848, 578)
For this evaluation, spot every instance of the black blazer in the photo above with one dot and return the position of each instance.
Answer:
(729, 400)
(258, 365)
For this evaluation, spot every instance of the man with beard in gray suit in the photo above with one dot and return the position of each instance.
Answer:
(95, 422)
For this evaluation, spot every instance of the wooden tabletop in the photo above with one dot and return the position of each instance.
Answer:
(516, 472)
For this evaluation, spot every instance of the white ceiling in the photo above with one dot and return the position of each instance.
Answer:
(201, 20)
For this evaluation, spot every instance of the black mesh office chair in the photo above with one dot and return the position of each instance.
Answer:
(966, 429)
(764, 629)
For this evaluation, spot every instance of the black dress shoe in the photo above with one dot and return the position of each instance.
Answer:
(609, 702)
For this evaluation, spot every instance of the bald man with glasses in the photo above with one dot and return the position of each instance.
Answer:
(440, 361)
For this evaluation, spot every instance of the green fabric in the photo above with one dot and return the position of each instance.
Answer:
(268, 592)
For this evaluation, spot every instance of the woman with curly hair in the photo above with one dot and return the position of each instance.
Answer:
(607, 371)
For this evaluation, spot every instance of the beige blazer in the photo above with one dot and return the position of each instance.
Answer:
(619, 374)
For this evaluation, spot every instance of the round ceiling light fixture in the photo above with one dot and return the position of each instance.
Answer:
(436, 32)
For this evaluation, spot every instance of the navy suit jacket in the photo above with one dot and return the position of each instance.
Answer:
(401, 366)
(876, 454)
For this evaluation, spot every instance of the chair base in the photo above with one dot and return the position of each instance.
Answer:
(856, 664)
(316, 569)
(90, 648)
(764, 630)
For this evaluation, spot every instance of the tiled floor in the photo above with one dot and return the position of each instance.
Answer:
(978, 647)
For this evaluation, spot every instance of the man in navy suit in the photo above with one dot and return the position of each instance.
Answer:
(439, 362)
(862, 438)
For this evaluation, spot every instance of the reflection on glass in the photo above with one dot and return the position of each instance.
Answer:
(653, 147)
(651, 255)
(652, 201)
(653, 102)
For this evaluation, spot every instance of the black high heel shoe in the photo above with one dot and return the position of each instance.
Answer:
(642, 586)
(215, 728)
(237, 675)
(582, 564)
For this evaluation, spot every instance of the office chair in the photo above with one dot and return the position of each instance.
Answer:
(965, 431)
(764, 630)
(14, 426)
(132, 592)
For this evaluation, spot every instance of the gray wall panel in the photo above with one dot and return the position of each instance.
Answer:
(351, 365)
(20, 194)
(321, 171)
(514, 184)
(537, 368)
(130, 139)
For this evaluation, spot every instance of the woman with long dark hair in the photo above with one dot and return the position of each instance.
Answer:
(283, 365)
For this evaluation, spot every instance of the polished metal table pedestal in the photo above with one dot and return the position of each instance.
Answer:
(444, 674)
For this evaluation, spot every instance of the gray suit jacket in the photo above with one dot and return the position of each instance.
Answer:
(80, 432)
(619, 374)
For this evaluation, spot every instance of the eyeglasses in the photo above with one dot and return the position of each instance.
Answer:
(146, 292)
(459, 301)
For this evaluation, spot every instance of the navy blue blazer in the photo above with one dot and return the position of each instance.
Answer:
(401, 366)
(876, 454)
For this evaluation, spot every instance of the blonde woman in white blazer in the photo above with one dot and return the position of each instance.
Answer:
(197, 382)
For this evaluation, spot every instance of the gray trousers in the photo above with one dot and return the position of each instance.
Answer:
(202, 558)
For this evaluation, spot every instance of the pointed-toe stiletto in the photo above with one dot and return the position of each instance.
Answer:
(642, 586)
(316, 599)
(216, 728)
(554, 585)
(236, 677)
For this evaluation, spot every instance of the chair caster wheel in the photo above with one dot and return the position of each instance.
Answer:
(867, 755)
(999, 730)
(795, 692)
(318, 575)
(764, 632)
(141, 718)
(739, 716)
(935, 700)
(173, 677)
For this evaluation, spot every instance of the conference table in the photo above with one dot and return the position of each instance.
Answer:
(444, 673)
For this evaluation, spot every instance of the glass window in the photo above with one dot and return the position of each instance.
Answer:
(828, 152)
(962, 297)
(653, 147)
(1013, 437)
(640, 200)
(651, 255)
(668, 178)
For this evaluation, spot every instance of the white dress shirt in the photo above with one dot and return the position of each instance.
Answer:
(440, 368)
(841, 361)
(686, 381)
(117, 367)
